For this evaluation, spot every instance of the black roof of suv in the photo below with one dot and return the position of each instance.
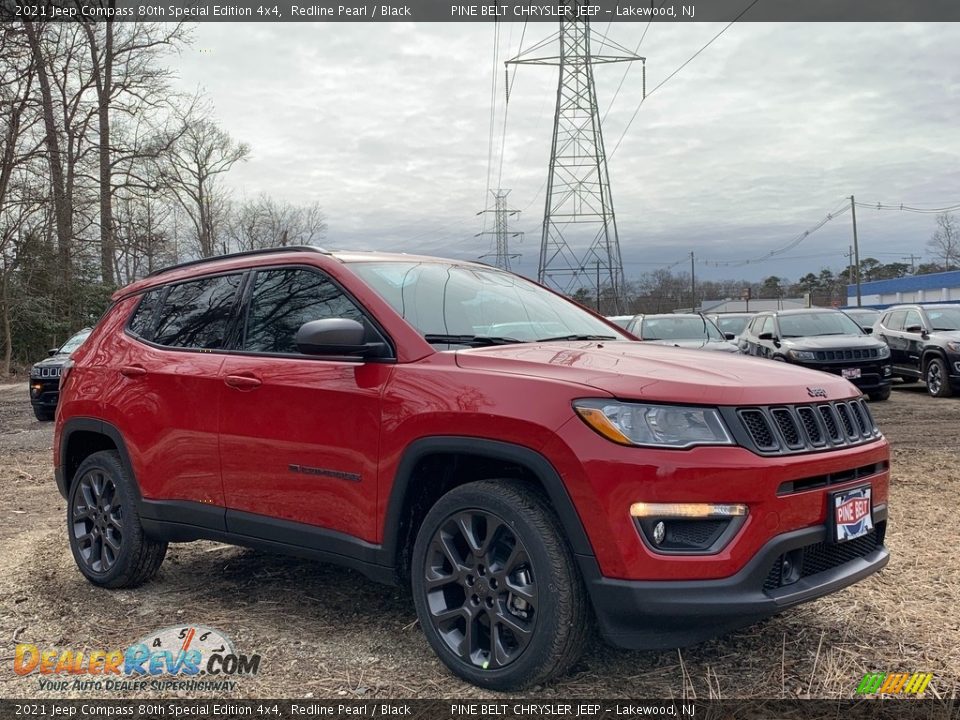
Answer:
(821, 339)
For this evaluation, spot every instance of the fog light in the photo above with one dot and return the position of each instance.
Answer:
(887, 370)
(659, 532)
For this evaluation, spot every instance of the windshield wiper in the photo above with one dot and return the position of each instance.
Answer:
(576, 337)
(474, 340)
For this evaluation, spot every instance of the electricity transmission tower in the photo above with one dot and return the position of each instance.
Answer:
(579, 224)
(501, 214)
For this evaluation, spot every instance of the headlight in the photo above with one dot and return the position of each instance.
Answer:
(671, 426)
(34, 371)
(884, 351)
(953, 347)
(803, 355)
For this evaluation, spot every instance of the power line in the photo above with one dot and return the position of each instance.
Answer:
(671, 75)
(908, 208)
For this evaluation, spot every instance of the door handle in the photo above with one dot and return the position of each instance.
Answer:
(133, 371)
(243, 382)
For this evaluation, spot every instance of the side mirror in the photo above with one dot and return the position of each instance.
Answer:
(868, 330)
(338, 337)
(730, 336)
(765, 336)
(914, 329)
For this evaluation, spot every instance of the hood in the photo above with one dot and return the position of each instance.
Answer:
(57, 360)
(832, 342)
(713, 345)
(643, 371)
(946, 335)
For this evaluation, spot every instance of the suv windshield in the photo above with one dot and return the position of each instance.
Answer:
(811, 324)
(944, 318)
(456, 304)
(76, 341)
(671, 327)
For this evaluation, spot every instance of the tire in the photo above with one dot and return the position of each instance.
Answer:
(516, 575)
(880, 395)
(908, 380)
(43, 414)
(937, 379)
(104, 528)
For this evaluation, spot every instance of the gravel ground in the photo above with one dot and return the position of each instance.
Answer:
(326, 632)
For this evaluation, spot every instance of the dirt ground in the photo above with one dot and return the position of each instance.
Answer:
(326, 632)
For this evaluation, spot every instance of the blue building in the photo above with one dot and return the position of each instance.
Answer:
(933, 288)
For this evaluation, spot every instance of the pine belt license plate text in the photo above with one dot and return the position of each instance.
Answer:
(850, 373)
(852, 513)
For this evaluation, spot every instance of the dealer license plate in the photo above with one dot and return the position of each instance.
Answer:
(852, 513)
(850, 373)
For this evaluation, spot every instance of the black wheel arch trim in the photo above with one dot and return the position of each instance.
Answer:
(100, 427)
(494, 450)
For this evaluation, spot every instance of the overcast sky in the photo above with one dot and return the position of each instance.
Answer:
(387, 126)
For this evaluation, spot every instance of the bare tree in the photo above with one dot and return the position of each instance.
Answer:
(945, 243)
(192, 171)
(129, 79)
(264, 222)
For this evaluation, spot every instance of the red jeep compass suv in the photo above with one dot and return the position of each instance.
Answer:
(513, 457)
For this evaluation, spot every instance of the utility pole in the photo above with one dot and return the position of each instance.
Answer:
(913, 262)
(500, 228)
(693, 285)
(849, 273)
(856, 249)
(579, 224)
(598, 286)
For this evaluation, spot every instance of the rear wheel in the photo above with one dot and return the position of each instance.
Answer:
(880, 395)
(495, 586)
(938, 383)
(106, 536)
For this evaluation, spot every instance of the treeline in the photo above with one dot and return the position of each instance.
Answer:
(663, 290)
(106, 173)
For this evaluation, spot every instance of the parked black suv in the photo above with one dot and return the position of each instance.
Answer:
(825, 340)
(924, 344)
(45, 377)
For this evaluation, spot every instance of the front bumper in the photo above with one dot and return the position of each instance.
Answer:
(44, 393)
(873, 375)
(661, 614)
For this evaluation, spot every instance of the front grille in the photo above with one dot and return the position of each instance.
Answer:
(48, 372)
(820, 557)
(804, 428)
(858, 354)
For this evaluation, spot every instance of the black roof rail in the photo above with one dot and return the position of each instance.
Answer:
(230, 256)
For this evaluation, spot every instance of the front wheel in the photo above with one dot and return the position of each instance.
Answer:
(938, 382)
(43, 414)
(495, 586)
(880, 395)
(106, 536)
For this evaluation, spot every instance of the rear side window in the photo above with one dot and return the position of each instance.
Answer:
(197, 314)
(145, 316)
(283, 300)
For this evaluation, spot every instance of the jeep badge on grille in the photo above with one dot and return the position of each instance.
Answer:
(816, 392)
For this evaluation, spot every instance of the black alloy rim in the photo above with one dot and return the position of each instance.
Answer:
(97, 521)
(481, 589)
(934, 378)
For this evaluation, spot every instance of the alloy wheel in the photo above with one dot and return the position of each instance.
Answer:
(481, 589)
(934, 378)
(97, 521)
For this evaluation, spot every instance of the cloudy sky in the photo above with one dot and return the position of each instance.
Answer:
(756, 140)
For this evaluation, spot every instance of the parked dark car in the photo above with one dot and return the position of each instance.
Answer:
(924, 344)
(45, 377)
(866, 318)
(686, 330)
(731, 322)
(825, 340)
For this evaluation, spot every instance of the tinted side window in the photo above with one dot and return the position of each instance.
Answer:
(913, 318)
(894, 320)
(285, 299)
(197, 314)
(145, 316)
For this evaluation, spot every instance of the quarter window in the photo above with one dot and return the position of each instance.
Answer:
(285, 299)
(197, 314)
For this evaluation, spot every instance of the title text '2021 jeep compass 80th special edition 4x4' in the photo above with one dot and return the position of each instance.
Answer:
(358, 408)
